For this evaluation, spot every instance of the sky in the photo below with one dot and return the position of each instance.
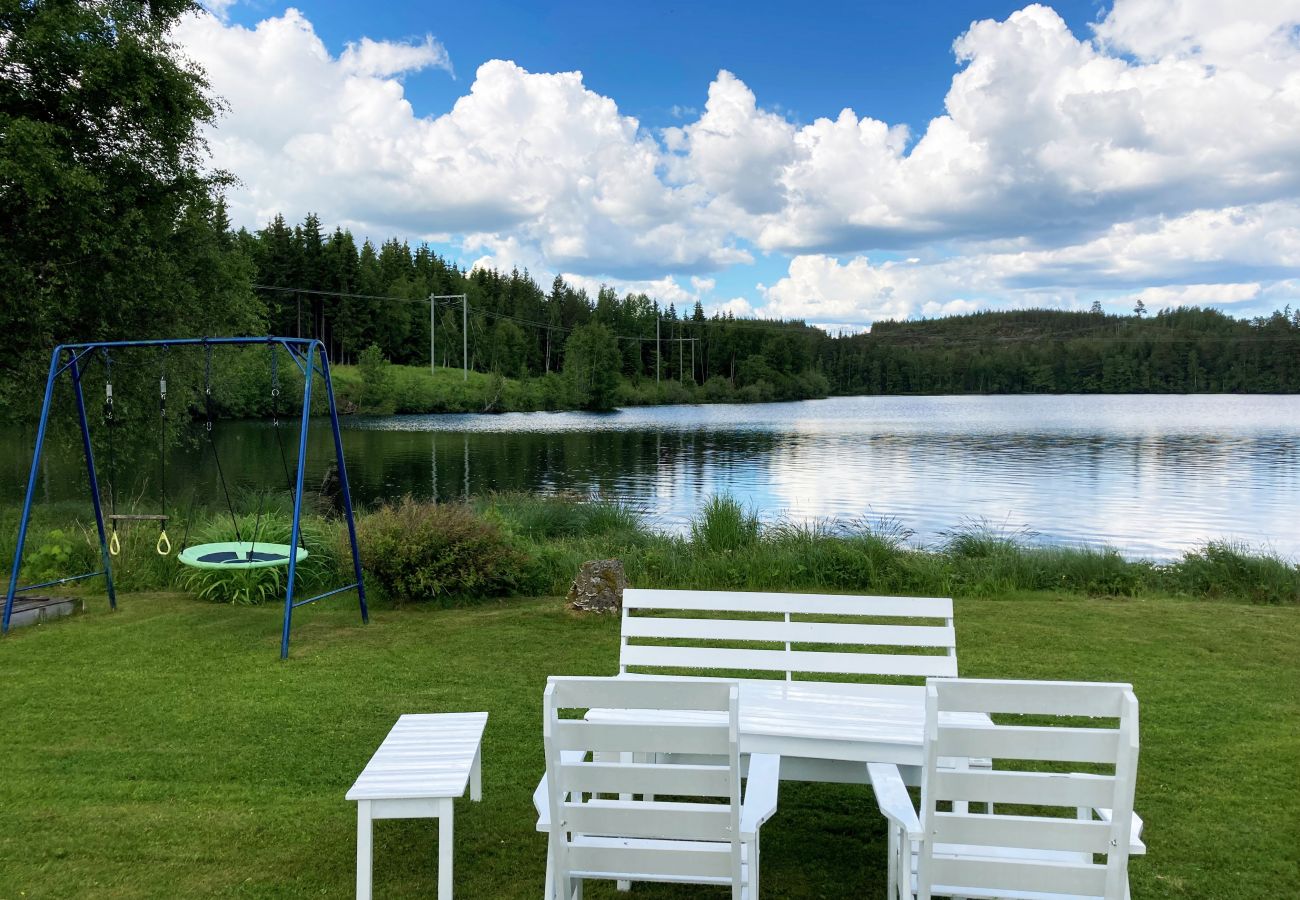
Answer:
(842, 163)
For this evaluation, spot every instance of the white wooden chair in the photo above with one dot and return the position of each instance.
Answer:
(1031, 831)
(600, 800)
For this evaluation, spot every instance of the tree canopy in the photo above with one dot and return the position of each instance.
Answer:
(113, 227)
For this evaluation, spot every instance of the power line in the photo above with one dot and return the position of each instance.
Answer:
(1089, 333)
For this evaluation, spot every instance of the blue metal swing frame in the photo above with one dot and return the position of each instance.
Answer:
(304, 352)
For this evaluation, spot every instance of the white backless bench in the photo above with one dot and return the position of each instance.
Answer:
(420, 768)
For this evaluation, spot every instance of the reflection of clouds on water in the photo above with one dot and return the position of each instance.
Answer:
(1150, 475)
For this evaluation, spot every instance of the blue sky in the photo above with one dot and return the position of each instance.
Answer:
(890, 60)
(994, 155)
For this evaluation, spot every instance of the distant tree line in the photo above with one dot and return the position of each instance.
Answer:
(1183, 350)
(351, 297)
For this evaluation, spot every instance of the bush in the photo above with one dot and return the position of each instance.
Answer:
(376, 380)
(717, 390)
(424, 551)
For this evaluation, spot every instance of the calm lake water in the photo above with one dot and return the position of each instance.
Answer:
(1150, 475)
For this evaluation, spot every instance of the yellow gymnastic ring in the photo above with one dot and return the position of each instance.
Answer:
(114, 545)
(164, 545)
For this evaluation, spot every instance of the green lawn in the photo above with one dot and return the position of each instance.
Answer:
(166, 751)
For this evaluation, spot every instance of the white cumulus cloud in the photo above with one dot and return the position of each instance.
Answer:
(1160, 153)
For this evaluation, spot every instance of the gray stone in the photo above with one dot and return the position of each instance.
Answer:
(598, 587)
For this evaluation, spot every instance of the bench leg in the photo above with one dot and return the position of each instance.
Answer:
(444, 849)
(364, 856)
(476, 776)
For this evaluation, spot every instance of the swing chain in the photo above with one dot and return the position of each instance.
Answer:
(108, 387)
(162, 385)
(275, 386)
(207, 385)
(114, 544)
(164, 544)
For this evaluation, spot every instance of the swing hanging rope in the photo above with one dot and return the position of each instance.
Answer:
(164, 545)
(237, 554)
(114, 544)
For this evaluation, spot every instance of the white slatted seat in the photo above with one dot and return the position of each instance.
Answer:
(1045, 829)
(823, 676)
(424, 763)
(601, 804)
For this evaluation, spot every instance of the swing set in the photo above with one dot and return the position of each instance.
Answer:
(238, 554)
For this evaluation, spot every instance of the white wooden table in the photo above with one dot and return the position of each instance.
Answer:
(419, 769)
(827, 731)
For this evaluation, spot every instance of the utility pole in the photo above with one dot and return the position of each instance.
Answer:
(658, 347)
(693, 378)
(433, 298)
(464, 361)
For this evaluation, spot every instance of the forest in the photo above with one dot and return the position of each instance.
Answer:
(520, 329)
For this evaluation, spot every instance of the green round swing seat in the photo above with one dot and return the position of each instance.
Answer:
(239, 555)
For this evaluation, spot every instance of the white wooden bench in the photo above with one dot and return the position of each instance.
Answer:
(828, 681)
(423, 764)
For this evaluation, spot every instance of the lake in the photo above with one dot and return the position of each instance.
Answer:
(1151, 475)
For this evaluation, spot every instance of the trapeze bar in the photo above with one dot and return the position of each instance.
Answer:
(324, 595)
(32, 587)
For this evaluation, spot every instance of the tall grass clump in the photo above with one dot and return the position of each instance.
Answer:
(420, 551)
(549, 516)
(1226, 569)
(250, 587)
(725, 525)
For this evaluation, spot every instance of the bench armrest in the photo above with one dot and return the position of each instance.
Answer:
(1135, 845)
(893, 799)
(541, 798)
(760, 792)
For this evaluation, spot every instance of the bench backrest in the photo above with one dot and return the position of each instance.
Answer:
(817, 636)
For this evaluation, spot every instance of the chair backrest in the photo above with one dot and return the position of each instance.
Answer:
(817, 635)
(605, 778)
(1039, 832)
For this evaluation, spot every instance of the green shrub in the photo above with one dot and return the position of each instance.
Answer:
(250, 587)
(424, 551)
(51, 557)
(717, 390)
(376, 380)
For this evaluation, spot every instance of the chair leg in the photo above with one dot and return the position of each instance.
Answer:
(548, 892)
(892, 867)
(753, 869)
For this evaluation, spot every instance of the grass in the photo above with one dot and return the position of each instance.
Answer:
(165, 751)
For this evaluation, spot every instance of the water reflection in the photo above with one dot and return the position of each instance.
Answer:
(1150, 475)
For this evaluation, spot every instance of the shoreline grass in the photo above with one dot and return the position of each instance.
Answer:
(164, 750)
(549, 537)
